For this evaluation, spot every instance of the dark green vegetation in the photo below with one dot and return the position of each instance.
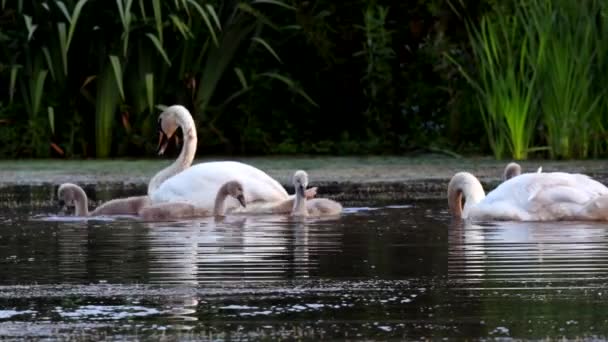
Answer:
(85, 78)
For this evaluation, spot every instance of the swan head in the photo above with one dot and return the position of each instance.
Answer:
(68, 194)
(511, 170)
(235, 189)
(300, 182)
(464, 186)
(169, 121)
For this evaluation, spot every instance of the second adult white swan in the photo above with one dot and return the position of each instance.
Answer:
(530, 197)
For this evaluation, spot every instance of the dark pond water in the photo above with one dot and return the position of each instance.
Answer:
(382, 270)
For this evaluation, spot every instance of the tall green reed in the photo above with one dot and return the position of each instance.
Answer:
(131, 55)
(504, 83)
(570, 98)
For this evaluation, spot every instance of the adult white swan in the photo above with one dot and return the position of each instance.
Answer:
(199, 183)
(132, 205)
(530, 197)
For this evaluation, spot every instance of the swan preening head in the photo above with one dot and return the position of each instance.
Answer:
(464, 186)
(169, 121)
(72, 195)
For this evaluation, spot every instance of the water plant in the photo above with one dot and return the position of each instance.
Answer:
(118, 60)
(568, 35)
(504, 83)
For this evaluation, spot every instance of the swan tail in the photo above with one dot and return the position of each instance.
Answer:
(595, 209)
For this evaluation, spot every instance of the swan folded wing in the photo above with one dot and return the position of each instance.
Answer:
(200, 183)
(498, 210)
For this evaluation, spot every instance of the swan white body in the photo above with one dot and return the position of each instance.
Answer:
(531, 197)
(199, 184)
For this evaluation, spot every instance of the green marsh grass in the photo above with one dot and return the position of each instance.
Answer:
(504, 84)
(118, 59)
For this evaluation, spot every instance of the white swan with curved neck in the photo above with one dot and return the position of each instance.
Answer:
(132, 205)
(530, 197)
(199, 183)
(168, 121)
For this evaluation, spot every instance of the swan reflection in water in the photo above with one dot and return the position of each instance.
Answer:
(226, 252)
(231, 249)
(522, 252)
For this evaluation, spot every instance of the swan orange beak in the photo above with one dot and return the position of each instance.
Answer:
(241, 199)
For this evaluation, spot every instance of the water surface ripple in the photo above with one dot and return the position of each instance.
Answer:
(381, 270)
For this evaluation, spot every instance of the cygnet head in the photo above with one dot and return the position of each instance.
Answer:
(300, 181)
(235, 189)
(67, 194)
(168, 123)
(511, 170)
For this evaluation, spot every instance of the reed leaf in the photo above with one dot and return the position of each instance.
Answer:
(158, 19)
(106, 102)
(291, 84)
(63, 39)
(205, 18)
(49, 61)
(241, 77)
(117, 69)
(181, 26)
(268, 47)
(51, 117)
(275, 2)
(124, 11)
(159, 47)
(214, 15)
(37, 91)
(150, 90)
(29, 26)
(13, 81)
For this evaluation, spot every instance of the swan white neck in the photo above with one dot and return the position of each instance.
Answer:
(299, 205)
(464, 184)
(186, 156)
